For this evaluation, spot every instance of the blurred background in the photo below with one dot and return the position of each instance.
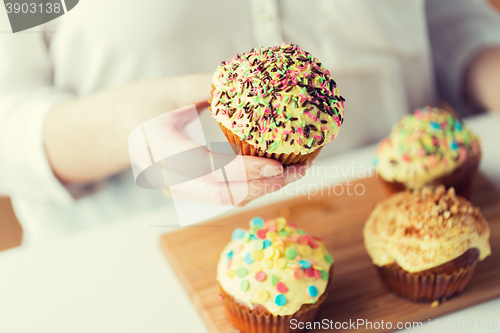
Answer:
(11, 232)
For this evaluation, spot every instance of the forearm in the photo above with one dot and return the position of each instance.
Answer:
(87, 139)
(79, 140)
(483, 80)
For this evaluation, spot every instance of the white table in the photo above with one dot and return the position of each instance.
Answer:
(115, 278)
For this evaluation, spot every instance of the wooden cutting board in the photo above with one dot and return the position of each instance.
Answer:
(357, 292)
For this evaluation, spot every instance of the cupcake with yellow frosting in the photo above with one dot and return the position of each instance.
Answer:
(426, 243)
(277, 102)
(272, 273)
(429, 148)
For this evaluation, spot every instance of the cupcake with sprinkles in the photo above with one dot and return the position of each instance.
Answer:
(429, 148)
(272, 273)
(277, 102)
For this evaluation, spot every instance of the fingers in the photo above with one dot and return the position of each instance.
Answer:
(239, 193)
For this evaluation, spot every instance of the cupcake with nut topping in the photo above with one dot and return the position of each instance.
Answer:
(430, 147)
(277, 102)
(272, 273)
(426, 243)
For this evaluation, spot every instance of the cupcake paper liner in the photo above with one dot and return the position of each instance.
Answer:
(260, 320)
(246, 148)
(427, 285)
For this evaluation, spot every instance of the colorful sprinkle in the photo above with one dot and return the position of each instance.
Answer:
(328, 258)
(257, 221)
(312, 291)
(280, 263)
(258, 245)
(324, 275)
(241, 272)
(261, 233)
(267, 243)
(310, 272)
(267, 263)
(291, 254)
(298, 274)
(263, 295)
(280, 300)
(231, 273)
(274, 280)
(244, 285)
(260, 276)
(305, 263)
(281, 287)
(257, 255)
(238, 234)
(248, 258)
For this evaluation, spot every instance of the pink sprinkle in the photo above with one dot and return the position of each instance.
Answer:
(299, 130)
(310, 272)
(316, 137)
(299, 141)
(260, 276)
(333, 136)
(324, 128)
(310, 116)
(287, 132)
(281, 288)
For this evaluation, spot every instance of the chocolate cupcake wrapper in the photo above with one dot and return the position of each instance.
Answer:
(247, 149)
(425, 286)
(260, 320)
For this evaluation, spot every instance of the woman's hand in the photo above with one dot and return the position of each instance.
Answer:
(195, 173)
(86, 139)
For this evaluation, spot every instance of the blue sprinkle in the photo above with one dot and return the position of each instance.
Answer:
(375, 161)
(267, 243)
(280, 300)
(305, 264)
(238, 234)
(458, 125)
(435, 125)
(312, 291)
(257, 221)
(229, 254)
(453, 145)
(252, 236)
(248, 258)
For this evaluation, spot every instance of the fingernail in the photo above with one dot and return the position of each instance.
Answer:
(269, 170)
(292, 177)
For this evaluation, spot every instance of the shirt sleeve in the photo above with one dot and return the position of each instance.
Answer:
(458, 30)
(26, 96)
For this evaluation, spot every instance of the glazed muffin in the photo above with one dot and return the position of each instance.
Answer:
(272, 273)
(426, 243)
(277, 102)
(429, 148)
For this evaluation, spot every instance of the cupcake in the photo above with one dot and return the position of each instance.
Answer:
(271, 274)
(428, 148)
(277, 102)
(426, 243)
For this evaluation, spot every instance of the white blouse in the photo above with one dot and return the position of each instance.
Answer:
(378, 52)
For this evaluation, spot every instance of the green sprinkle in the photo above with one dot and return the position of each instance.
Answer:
(291, 254)
(328, 258)
(241, 272)
(324, 275)
(258, 245)
(301, 232)
(283, 233)
(244, 285)
(274, 280)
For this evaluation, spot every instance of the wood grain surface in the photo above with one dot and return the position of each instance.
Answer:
(357, 292)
